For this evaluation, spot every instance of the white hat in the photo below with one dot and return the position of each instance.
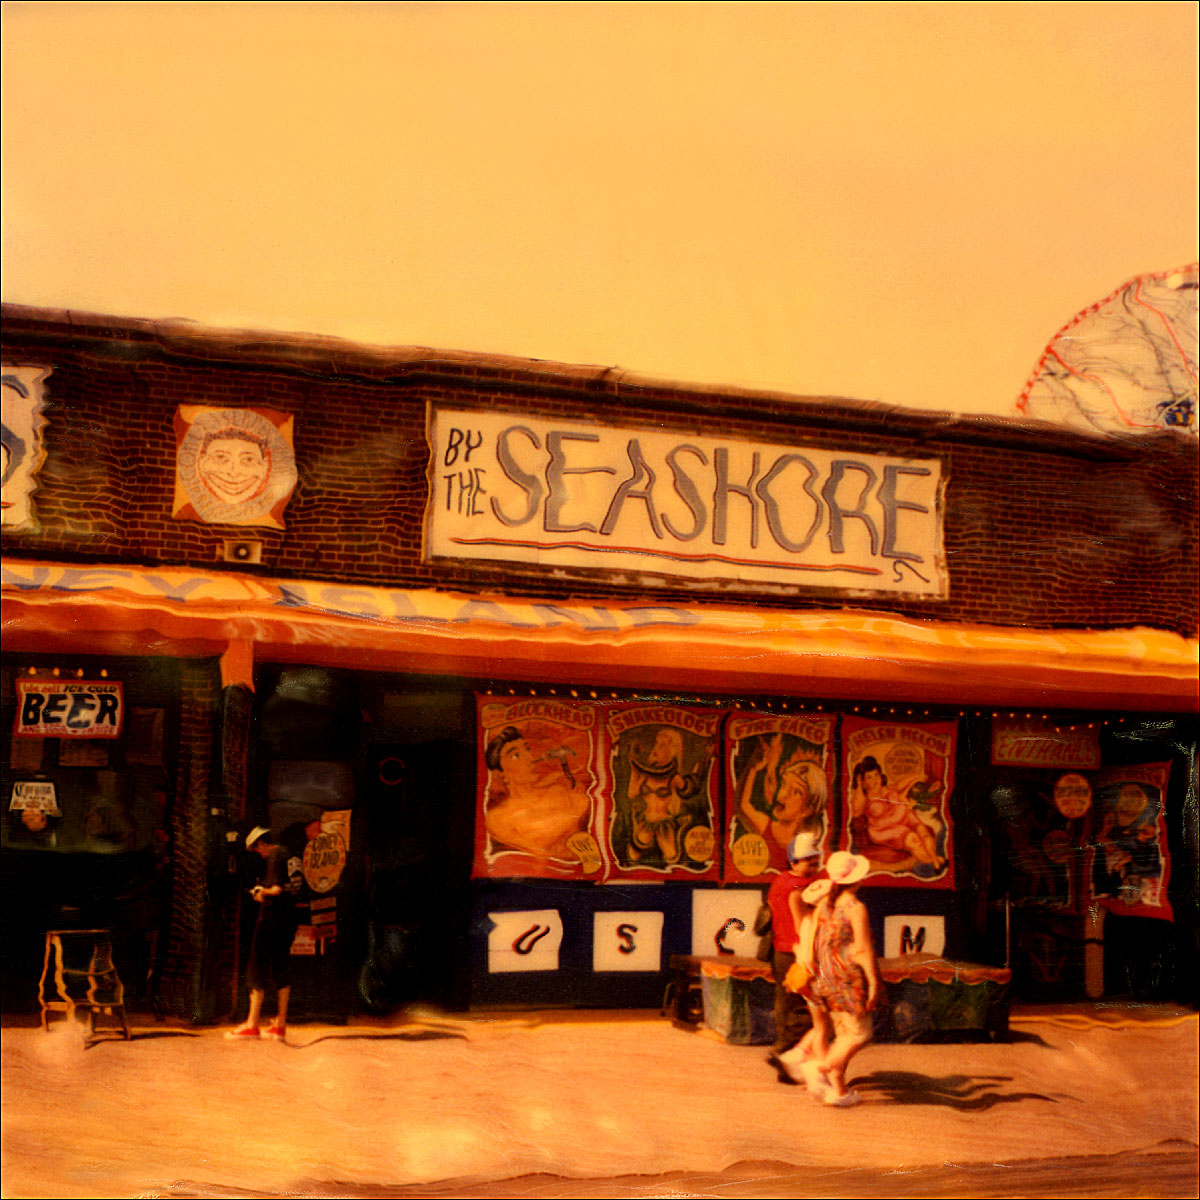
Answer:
(817, 891)
(803, 845)
(846, 868)
(255, 834)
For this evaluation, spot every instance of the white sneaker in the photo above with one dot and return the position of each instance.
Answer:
(815, 1079)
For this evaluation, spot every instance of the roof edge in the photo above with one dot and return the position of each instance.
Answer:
(337, 357)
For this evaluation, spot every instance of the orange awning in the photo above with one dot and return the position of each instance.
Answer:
(65, 609)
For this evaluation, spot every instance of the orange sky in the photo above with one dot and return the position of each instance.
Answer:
(899, 202)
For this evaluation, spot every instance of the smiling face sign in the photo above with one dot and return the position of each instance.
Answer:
(234, 466)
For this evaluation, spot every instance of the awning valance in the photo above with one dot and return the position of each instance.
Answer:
(63, 608)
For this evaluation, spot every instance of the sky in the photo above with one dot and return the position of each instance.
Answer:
(895, 202)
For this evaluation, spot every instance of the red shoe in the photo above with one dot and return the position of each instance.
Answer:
(276, 1033)
(238, 1035)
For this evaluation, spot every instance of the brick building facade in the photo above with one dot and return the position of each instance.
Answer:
(1070, 593)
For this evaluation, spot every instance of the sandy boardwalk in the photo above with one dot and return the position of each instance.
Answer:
(345, 1110)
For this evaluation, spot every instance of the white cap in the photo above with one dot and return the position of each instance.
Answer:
(803, 845)
(255, 834)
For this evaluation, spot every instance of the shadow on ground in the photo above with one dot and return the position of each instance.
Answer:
(108, 1037)
(968, 1093)
(414, 1035)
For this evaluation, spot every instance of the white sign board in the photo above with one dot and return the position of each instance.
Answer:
(566, 494)
(35, 796)
(723, 921)
(913, 935)
(627, 941)
(524, 941)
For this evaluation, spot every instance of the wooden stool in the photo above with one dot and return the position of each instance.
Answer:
(101, 987)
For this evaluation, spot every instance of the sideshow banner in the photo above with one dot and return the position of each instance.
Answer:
(1131, 865)
(537, 796)
(897, 781)
(661, 817)
(777, 771)
(1041, 837)
(233, 466)
(21, 423)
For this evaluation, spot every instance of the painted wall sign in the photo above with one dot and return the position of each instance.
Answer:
(1035, 742)
(556, 494)
(234, 466)
(921, 934)
(80, 708)
(777, 785)
(897, 780)
(627, 941)
(723, 921)
(524, 941)
(22, 450)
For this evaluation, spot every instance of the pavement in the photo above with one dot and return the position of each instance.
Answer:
(1083, 1100)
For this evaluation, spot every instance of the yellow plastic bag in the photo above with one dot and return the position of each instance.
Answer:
(797, 977)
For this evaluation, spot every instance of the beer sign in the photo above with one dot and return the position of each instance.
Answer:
(81, 708)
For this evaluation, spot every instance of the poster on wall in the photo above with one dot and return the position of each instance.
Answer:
(661, 820)
(537, 800)
(1042, 830)
(21, 423)
(777, 771)
(233, 466)
(1131, 865)
(36, 801)
(326, 850)
(897, 781)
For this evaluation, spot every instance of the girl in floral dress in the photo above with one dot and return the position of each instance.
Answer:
(847, 980)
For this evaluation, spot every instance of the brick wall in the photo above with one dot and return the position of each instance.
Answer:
(1041, 528)
(234, 727)
(182, 990)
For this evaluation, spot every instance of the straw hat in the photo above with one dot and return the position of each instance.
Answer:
(845, 868)
(817, 891)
